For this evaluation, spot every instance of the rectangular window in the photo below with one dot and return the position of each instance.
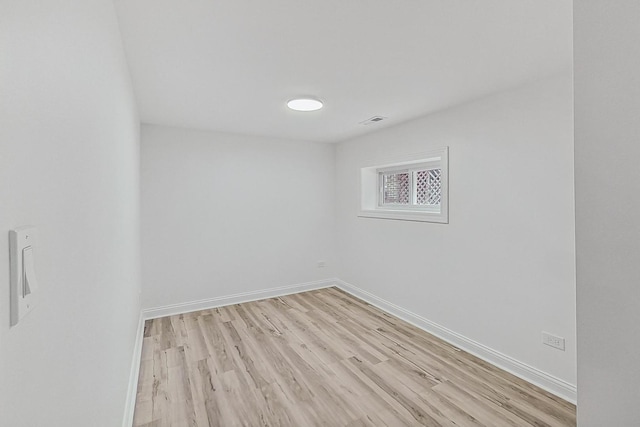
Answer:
(414, 189)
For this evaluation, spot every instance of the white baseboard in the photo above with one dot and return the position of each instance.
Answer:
(130, 403)
(204, 304)
(528, 373)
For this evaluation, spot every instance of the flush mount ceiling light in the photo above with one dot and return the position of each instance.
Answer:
(305, 104)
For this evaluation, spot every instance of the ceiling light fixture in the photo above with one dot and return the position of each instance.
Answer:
(305, 104)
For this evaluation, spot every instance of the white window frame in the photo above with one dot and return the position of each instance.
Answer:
(371, 187)
(410, 170)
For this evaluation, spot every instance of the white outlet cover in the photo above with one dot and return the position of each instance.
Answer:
(553, 341)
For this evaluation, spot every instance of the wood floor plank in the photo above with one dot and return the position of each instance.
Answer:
(323, 358)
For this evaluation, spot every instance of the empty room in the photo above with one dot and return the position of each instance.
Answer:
(319, 213)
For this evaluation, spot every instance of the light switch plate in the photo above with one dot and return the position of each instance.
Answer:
(24, 293)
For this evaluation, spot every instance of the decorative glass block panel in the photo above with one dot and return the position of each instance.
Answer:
(428, 187)
(395, 188)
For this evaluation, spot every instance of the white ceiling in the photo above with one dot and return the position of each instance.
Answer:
(231, 65)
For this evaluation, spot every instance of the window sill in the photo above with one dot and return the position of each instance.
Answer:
(404, 215)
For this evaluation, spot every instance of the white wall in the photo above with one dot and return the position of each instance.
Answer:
(69, 165)
(607, 153)
(502, 270)
(224, 214)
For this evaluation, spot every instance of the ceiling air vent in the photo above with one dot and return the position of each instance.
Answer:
(374, 119)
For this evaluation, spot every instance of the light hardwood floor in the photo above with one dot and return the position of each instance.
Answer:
(324, 358)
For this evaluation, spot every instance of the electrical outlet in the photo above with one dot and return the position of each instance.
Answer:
(322, 264)
(553, 341)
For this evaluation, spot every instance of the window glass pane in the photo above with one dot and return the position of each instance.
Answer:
(428, 190)
(395, 188)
